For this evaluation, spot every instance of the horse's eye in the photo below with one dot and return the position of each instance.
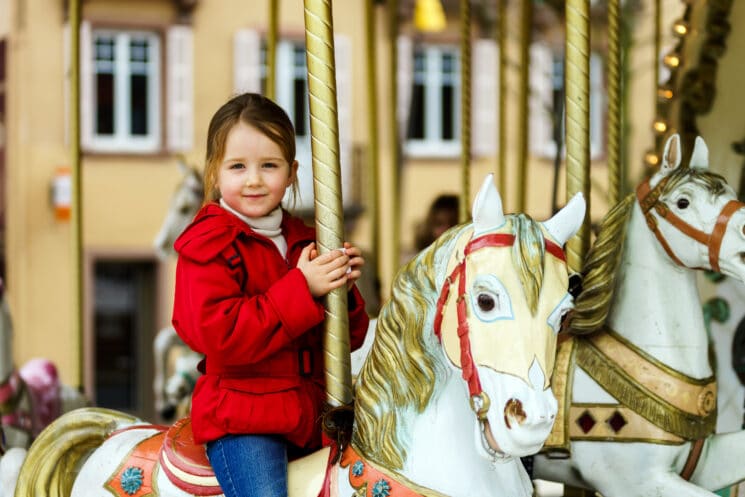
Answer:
(486, 302)
(683, 203)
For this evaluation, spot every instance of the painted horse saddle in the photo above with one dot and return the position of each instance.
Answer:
(173, 449)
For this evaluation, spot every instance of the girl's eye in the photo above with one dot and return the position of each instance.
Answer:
(237, 165)
(269, 165)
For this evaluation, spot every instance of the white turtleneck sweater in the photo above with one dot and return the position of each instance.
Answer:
(269, 225)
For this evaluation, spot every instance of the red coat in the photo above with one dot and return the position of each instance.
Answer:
(250, 312)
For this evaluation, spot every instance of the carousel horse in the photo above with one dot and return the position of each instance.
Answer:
(185, 203)
(636, 389)
(175, 375)
(455, 389)
(30, 397)
(174, 380)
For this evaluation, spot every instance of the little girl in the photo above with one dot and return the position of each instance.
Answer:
(248, 295)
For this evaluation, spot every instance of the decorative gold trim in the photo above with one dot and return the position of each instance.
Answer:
(636, 429)
(558, 443)
(680, 405)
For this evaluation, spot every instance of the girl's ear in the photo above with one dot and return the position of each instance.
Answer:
(293, 173)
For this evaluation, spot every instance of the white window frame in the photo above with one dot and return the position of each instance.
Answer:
(122, 140)
(433, 78)
(542, 84)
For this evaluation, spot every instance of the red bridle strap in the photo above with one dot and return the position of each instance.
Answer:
(649, 198)
(468, 368)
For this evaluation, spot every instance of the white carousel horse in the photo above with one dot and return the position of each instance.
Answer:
(641, 406)
(175, 375)
(455, 389)
(30, 397)
(185, 203)
(173, 379)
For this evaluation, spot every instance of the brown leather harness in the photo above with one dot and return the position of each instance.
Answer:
(649, 198)
(479, 400)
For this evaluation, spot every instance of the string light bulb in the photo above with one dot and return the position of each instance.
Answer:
(664, 93)
(651, 159)
(672, 60)
(660, 126)
(429, 16)
(680, 28)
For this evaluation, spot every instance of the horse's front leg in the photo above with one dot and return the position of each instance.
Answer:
(722, 461)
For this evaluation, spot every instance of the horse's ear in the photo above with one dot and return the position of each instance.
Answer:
(672, 155)
(182, 165)
(487, 207)
(565, 223)
(700, 154)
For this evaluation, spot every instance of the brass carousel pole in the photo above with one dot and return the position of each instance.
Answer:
(271, 49)
(465, 108)
(395, 138)
(526, 26)
(502, 116)
(372, 125)
(614, 104)
(578, 120)
(324, 126)
(77, 185)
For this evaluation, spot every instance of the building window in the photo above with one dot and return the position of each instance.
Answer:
(434, 117)
(126, 91)
(291, 85)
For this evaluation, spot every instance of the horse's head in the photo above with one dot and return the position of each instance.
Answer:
(185, 203)
(694, 213)
(499, 313)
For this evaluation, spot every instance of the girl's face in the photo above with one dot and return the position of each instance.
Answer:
(253, 174)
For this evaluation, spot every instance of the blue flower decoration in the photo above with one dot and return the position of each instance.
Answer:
(357, 468)
(131, 480)
(381, 489)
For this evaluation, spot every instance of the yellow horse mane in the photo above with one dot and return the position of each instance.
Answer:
(401, 371)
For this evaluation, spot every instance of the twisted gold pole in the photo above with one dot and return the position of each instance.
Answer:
(465, 108)
(502, 116)
(324, 127)
(372, 125)
(614, 103)
(578, 119)
(657, 50)
(526, 27)
(271, 49)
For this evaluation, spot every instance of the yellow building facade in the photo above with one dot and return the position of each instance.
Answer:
(188, 57)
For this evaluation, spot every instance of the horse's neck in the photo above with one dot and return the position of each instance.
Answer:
(657, 306)
(443, 444)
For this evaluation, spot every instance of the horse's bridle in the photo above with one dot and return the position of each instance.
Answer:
(649, 198)
(478, 398)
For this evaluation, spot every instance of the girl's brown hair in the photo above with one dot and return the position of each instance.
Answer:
(257, 111)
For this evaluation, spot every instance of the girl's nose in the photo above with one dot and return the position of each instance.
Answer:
(252, 176)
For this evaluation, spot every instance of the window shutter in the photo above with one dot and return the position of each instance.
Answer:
(246, 61)
(343, 56)
(86, 85)
(541, 101)
(485, 104)
(404, 82)
(180, 89)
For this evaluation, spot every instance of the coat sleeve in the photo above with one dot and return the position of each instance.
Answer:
(358, 319)
(215, 317)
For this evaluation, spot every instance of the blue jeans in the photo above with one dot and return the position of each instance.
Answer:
(250, 465)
